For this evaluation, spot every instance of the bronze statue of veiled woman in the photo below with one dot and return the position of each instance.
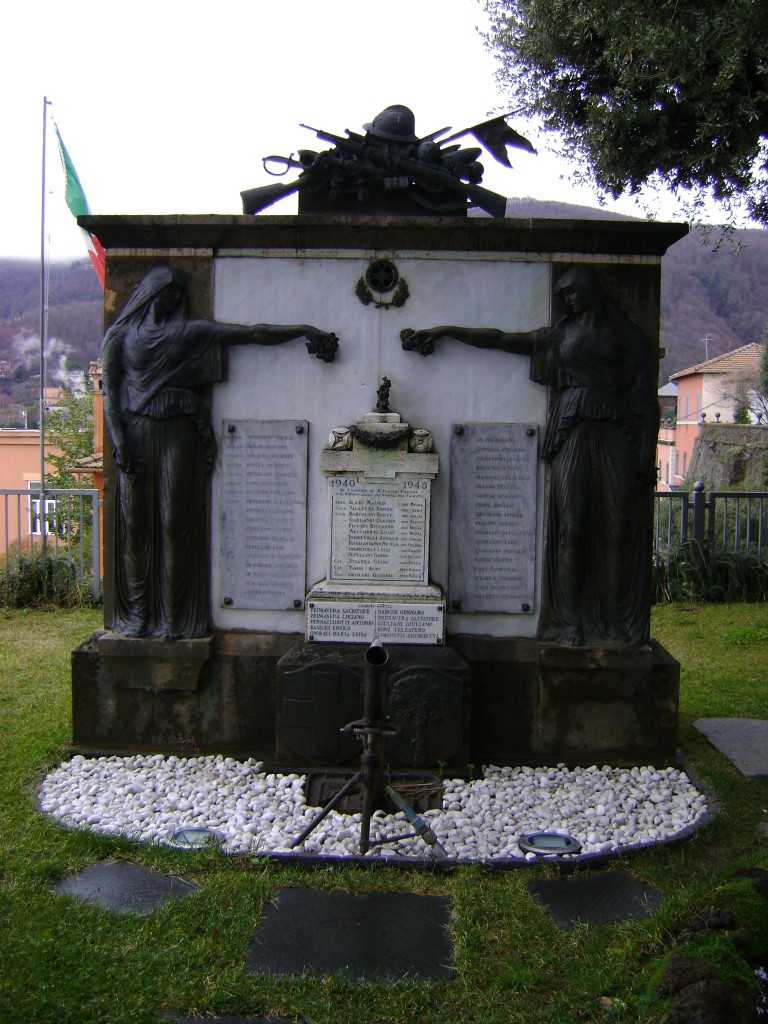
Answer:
(155, 361)
(600, 442)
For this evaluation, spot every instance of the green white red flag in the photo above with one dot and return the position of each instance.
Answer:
(78, 206)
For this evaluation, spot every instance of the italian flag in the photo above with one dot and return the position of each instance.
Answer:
(78, 206)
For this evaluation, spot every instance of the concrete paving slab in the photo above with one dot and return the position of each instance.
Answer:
(124, 888)
(605, 898)
(744, 741)
(394, 936)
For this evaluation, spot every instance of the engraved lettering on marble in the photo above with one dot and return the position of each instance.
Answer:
(263, 513)
(379, 530)
(492, 554)
(365, 621)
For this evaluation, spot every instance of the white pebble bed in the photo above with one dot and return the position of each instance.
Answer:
(149, 797)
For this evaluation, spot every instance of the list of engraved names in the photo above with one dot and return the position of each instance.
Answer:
(263, 527)
(493, 517)
(379, 530)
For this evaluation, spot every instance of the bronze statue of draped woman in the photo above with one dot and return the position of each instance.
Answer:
(600, 442)
(155, 361)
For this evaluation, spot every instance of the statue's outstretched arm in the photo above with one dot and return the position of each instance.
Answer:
(423, 341)
(323, 344)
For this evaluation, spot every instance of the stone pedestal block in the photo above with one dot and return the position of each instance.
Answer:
(607, 705)
(213, 695)
(540, 704)
(143, 663)
(479, 700)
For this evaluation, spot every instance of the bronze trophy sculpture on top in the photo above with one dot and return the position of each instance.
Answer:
(390, 168)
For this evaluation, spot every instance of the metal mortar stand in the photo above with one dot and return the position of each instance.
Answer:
(374, 776)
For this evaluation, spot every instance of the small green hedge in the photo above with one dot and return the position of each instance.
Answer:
(697, 572)
(36, 581)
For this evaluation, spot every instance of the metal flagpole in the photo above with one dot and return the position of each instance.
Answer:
(43, 338)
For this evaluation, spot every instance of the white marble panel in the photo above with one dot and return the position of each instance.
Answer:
(456, 383)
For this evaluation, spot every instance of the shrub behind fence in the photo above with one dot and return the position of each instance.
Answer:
(710, 546)
(51, 547)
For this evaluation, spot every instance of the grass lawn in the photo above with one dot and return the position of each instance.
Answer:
(65, 962)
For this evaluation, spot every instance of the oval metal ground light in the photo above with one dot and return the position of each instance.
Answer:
(196, 839)
(546, 843)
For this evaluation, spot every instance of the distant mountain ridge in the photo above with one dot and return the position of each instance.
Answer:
(722, 297)
(74, 313)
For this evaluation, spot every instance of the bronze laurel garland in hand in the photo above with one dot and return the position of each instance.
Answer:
(324, 346)
(422, 341)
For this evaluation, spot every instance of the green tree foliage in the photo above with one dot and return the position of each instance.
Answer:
(69, 427)
(672, 93)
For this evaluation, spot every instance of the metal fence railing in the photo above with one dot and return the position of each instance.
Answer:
(63, 523)
(736, 521)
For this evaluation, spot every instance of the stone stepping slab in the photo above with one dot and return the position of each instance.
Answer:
(744, 741)
(124, 888)
(604, 898)
(393, 936)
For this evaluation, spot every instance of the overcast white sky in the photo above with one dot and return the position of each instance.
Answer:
(169, 107)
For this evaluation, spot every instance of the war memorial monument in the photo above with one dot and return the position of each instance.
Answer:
(380, 419)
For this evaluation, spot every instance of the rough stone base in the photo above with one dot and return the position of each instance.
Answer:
(320, 690)
(538, 703)
(229, 709)
(485, 700)
(619, 704)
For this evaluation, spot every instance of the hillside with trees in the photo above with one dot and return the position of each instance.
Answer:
(719, 292)
(74, 331)
(74, 320)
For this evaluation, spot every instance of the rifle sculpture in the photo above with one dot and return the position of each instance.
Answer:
(390, 158)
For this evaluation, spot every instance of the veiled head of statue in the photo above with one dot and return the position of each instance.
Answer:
(162, 279)
(576, 290)
(580, 280)
(156, 282)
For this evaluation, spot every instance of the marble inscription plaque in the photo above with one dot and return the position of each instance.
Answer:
(366, 621)
(492, 556)
(379, 530)
(263, 513)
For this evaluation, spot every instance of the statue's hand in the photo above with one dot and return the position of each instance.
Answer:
(422, 342)
(649, 476)
(127, 462)
(322, 344)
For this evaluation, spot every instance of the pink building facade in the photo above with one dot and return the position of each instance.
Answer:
(713, 390)
(20, 518)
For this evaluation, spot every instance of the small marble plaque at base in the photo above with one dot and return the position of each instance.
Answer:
(359, 622)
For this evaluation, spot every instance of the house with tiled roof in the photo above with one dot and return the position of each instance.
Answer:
(711, 391)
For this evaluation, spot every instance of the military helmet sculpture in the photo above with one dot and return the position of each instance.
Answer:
(431, 171)
(394, 124)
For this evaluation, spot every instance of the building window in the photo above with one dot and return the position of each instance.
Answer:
(685, 462)
(698, 407)
(47, 523)
(687, 406)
